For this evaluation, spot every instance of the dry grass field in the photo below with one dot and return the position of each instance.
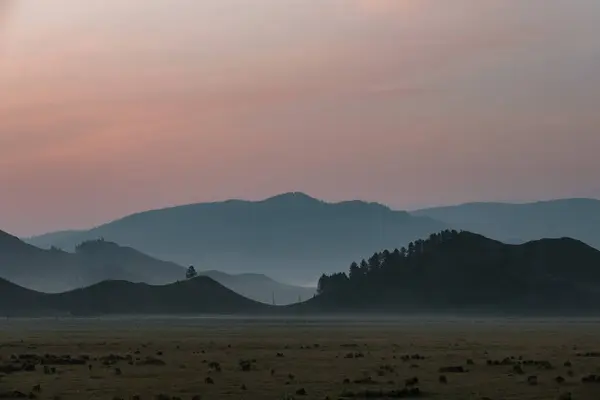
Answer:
(235, 359)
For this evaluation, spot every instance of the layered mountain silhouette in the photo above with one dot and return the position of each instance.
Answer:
(465, 272)
(200, 295)
(450, 272)
(261, 288)
(518, 223)
(91, 262)
(290, 237)
(48, 270)
(99, 260)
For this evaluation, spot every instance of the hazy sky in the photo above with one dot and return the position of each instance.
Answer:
(109, 107)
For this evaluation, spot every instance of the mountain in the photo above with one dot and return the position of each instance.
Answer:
(518, 223)
(29, 266)
(110, 261)
(94, 261)
(201, 295)
(290, 237)
(465, 272)
(451, 272)
(261, 288)
(100, 260)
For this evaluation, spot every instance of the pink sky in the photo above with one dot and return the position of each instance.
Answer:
(108, 107)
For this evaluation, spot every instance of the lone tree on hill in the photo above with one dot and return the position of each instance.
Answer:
(191, 272)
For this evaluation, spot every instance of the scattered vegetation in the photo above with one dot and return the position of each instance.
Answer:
(128, 365)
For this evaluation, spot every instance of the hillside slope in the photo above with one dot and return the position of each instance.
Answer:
(291, 237)
(462, 272)
(44, 270)
(451, 272)
(201, 295)
(16, 300)
(56, 270)
(518, 223)
(106, 260)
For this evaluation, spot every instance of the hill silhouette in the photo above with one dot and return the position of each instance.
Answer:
(261, 288)
(519, 223)
(457, 272)
(16, 300)
(465, 272)
(291, 237)
(55, 270)
(107, 260)
(29, 266)
(100, 260)
(200, 295)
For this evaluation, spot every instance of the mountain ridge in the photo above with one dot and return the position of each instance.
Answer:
(55, 270)
(521, 222)
(451, 272)
(290, 237)
(200, 295)
(99, 260)
(454, 271)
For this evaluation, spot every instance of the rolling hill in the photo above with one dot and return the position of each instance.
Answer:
(19, 301)
(94, 261)
(464, 272)
(200, 295)
(291, 237)
(29, 266)
(451, 272)
(519, 223)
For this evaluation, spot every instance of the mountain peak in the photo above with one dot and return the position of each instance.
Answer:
(293, 197)
(292, 201)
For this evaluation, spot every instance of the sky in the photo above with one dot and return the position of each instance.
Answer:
(110, 107)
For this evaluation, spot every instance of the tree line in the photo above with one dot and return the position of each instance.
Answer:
(382, 266)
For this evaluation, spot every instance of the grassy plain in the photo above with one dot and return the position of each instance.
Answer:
(312, 359)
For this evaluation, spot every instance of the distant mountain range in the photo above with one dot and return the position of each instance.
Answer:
(451, 272)
(463, 272)
(291, 237)
(519, 223)
(91, 262)
(201, 295)
(294, 237)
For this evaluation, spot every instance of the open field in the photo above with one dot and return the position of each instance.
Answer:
(312, 359)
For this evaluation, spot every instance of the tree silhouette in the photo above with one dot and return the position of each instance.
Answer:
(354, 270)
(191, 272)
(383, 268)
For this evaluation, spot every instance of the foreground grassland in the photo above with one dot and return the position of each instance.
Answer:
(230, 359)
